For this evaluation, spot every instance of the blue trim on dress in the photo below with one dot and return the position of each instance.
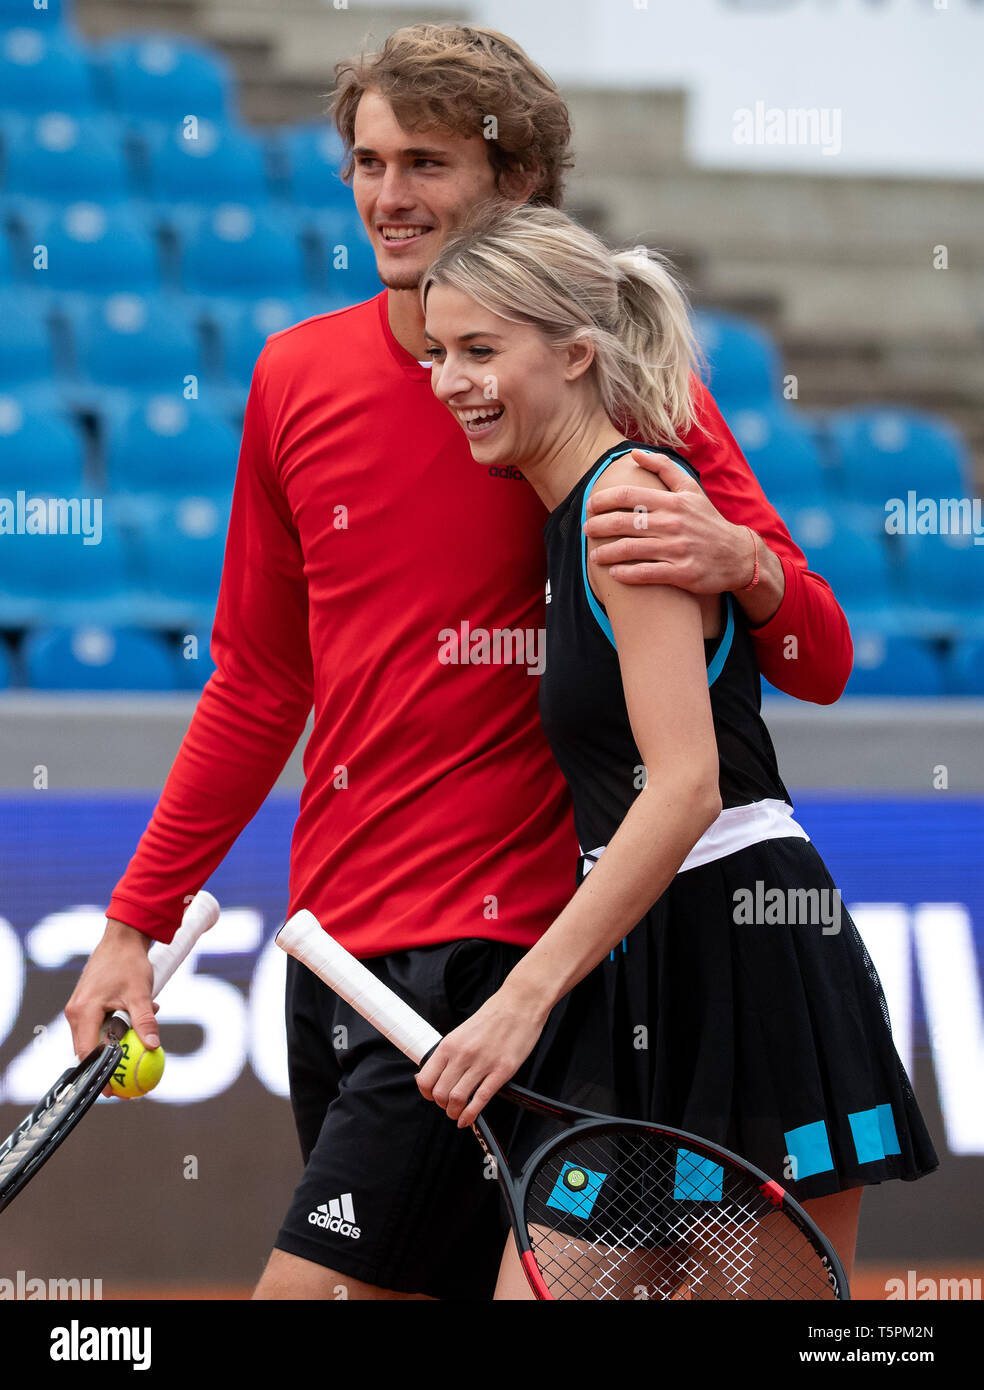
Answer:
(716, 665)
(600, 615)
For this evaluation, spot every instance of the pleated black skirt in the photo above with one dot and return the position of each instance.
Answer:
(726, 1014)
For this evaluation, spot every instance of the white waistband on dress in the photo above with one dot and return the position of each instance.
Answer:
(736, 828)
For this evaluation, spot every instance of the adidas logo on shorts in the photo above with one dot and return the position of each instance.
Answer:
(337, 1215)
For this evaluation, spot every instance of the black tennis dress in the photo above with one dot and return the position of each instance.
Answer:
(737, 1009)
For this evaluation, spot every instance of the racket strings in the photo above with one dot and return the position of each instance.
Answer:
(39, 1128)
(629, 1214)
(29, 1146)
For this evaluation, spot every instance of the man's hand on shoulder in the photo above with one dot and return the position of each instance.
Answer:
(675, 535)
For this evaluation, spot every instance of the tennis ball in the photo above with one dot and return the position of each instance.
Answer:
(139, 1068)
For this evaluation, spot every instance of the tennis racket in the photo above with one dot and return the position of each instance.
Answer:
(613, 1208)
(52, 1120)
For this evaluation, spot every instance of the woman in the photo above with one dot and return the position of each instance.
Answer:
(656, 991)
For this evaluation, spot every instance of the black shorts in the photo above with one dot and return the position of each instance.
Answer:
(393, 1193)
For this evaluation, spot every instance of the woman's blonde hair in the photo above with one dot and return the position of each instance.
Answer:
(537, 266)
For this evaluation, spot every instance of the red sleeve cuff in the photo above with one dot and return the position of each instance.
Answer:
(132, 914)
(778, 624)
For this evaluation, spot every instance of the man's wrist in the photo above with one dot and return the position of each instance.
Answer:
(753, 581)
(117, 932)
(760, 600)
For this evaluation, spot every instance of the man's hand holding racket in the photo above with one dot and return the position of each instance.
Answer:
(117, 990)
(118, 975)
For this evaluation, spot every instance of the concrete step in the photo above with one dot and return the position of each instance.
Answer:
(309, 44)
(858, 301)
(627, 134)
(100, 19)
(791, 217)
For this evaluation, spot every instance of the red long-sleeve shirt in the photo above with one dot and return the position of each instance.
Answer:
(362, 535)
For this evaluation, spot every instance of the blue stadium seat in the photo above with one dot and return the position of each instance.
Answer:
(781, 452)
(97, 658)
(209, 164)
(968, 668)
(163, 78)
(43, 70)
(855, 564)
(138, 342)
(40, 454)
(65, 158)
(313, 156)
(181, 548)
(239, 251)
(25, 341)
(243, 327)
(742, 358)
(894, 665)
(883, 452)
(65, 576)
(93, 248)
(6, 259)
(194, 663)
(164, 444)
(347, 262)
(944, 582)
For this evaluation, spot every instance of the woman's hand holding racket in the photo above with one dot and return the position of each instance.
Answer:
(477, 1059)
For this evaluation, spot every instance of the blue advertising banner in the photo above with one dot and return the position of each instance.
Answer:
(910, 871)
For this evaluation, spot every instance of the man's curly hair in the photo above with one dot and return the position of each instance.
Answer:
(456, 77)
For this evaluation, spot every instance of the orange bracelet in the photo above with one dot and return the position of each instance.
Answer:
(755, 571)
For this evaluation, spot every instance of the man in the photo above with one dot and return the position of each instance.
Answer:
(434, 837)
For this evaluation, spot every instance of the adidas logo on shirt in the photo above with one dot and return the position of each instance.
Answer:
(337, 1215)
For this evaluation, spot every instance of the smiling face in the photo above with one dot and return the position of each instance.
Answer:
(513, 394)
(412, 188)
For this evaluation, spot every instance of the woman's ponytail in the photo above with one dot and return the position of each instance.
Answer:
(659, 351)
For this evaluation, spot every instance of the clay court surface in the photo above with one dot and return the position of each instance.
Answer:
(869, 1284)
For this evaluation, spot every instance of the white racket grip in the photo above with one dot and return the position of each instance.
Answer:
(303, 937)
(200, 914)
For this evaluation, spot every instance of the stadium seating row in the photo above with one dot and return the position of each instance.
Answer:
(157, 557)
(91, 657)
(137, 344)
(61, 156)
(44, 65)
(149, 563)
(99, 658)
(90, 249)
